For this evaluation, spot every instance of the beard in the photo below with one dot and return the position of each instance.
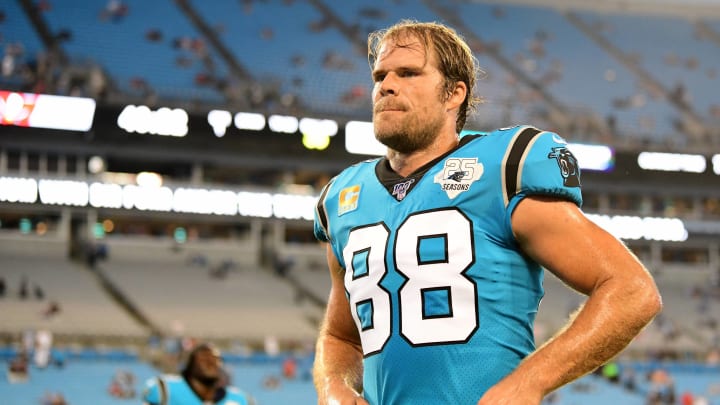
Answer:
(409, 134)
(208, 381)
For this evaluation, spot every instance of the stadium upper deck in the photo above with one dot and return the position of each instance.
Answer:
(630, 79)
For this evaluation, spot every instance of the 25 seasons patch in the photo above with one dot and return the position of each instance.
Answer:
(458, 174)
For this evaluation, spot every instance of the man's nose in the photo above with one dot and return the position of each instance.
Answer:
(389, 84)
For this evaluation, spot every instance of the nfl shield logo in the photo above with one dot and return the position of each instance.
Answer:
(401, 189)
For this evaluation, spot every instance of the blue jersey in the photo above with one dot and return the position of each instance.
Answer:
(178, 392)
(443, 298)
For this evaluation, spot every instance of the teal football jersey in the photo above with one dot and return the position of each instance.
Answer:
(443, 299)
(178, 392)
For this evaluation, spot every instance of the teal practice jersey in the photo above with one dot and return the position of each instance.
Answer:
(443, 299)
(178, 392)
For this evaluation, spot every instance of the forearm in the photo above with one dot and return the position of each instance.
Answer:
(604, 326)
(338, 363)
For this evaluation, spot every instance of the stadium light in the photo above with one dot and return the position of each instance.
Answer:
(219, 120)
(255, 204)
(164, 121)
(96, 164)
(18, 190)
(317, 132)
(593, 157)
(148, 179)
(288, 205)
(103, 195)
(249, 121)
(672, 162)
(63, 192)
(648, 228)
(283, 124)
(360, 139)
(316, 126)
(46, 111)
(203, 201)
(146, 198)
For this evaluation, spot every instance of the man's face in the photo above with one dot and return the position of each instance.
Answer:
(408, 107)
(207, 365)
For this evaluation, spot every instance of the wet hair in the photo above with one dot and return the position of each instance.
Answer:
(455, 58)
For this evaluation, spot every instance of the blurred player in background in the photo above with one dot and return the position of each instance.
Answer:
(202, 381)
(436, 251)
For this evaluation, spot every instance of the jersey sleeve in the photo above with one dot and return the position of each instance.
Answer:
(151, 392)
(320, 226)
(238, 396)
(544, 165)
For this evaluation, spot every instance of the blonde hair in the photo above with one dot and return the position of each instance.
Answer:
(455, 59)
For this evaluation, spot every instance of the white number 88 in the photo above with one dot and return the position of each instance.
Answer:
(447, 274)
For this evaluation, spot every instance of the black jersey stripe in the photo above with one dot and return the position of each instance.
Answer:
(514, 158)
(321, 210)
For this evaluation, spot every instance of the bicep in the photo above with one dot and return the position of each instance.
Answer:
(564, 241)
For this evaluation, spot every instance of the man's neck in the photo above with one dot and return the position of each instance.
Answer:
(404, 164)
(204, 392)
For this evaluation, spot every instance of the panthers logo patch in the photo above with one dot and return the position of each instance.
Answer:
(568, 164)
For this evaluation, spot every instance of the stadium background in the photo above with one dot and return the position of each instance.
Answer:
(149, 230)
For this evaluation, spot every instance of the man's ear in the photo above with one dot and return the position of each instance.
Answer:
(457, 96)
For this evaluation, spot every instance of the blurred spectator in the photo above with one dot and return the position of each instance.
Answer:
(297, 60)
(713, 358)
(271, 345)
(122, 385)
(354, 95)
(154, 35)
(267, 33)
(715, 110)
(687, 398)
(334, 61)
(115, 11)
(679, 93)
(64, 35)
(628, 379)
(662, 388)
(611, 372)
(3, 287)
(271, 382)
(38, 292)
(282, 265)
(28, 341)
(24, 289)
(289, 368)
(44, 5)
(183, 61)
(320, 25)
(43, 348)
(53, 398)
(13, 52)
(222, 270)
(138, 83)
(700, 400)
(57, 358)
(199, 260)
(18, 368)
(53, 309)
